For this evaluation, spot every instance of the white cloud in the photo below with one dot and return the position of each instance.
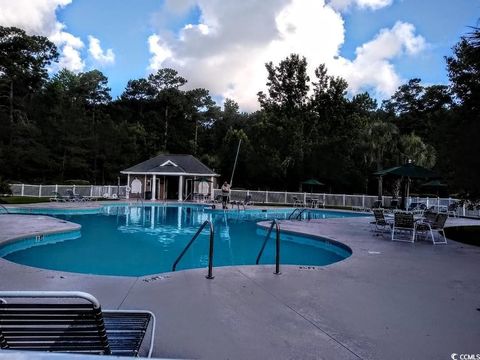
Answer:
(342, 5)
(98, 54)
(227, 50)
(372, 67)
(160, 52)
(39, 17)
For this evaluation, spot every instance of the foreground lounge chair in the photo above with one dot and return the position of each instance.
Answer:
(403, 224)
(77, 325)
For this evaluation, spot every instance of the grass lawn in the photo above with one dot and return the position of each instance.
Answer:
(22, 200)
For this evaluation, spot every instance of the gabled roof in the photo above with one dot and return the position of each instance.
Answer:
(171, 164)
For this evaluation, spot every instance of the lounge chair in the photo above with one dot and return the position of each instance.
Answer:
(452, 209)
(427, 226)
(393, 204)
(71, 196)
(403, 224)
(57, 197)
(71, 322)
(380, 224)
(245, 202)
(298, 202)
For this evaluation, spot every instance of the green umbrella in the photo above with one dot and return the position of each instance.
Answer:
(410, 171)
(312, 183)
(435, 183)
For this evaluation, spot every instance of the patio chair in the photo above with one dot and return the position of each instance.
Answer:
(452, 209)
(297, 202)
(380, 224)
(78, 325)
(71, 196)
(438, 224)
(429, 216)
(403, 224)
(57, 197)
(393, 204)
(245, 202)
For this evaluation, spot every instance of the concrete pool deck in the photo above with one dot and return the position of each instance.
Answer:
(388, 300)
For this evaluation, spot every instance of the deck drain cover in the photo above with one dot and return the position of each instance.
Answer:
(374, 252)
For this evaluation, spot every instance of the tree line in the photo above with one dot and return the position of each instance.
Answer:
(61, 126)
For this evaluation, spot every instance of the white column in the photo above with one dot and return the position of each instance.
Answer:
(127, 193)
(180, 188)
(154, 187)
(211, 188)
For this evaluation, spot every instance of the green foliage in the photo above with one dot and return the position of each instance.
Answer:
(5, 187)
(22, 200)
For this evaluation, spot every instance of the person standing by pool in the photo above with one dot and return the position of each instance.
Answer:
(225, 194)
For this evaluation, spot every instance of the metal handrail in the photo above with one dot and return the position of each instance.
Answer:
(210, 252)
(293, 212)
(301, 211)
(3, 207)
(277, 246)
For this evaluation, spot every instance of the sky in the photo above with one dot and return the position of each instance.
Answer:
(223, 45)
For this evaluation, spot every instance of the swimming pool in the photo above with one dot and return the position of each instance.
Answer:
(136, 241)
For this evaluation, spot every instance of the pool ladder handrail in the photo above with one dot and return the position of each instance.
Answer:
(277, 246)
(210, 252)
(3, 207)
(299, 216)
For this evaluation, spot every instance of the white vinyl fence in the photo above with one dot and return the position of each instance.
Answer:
(84, 190)
(358, 202)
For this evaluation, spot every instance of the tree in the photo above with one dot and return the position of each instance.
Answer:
(23, 70)
(23, 63)
(464, 73)
(379, 139)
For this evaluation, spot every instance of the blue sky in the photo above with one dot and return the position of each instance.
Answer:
(222, 45)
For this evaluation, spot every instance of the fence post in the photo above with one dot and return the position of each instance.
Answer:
(344, 200)
(305, 198)
(324, 199)
(463, 208)
(56, 188)
(91, 191)
(266, 196)
(23, 189)
(40, 190)
(73, 189)
(363, 201)
(286, 198)
(427, 202)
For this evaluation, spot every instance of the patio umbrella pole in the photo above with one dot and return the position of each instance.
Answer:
(235, 163)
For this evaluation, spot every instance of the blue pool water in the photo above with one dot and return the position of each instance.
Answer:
(135, 241)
